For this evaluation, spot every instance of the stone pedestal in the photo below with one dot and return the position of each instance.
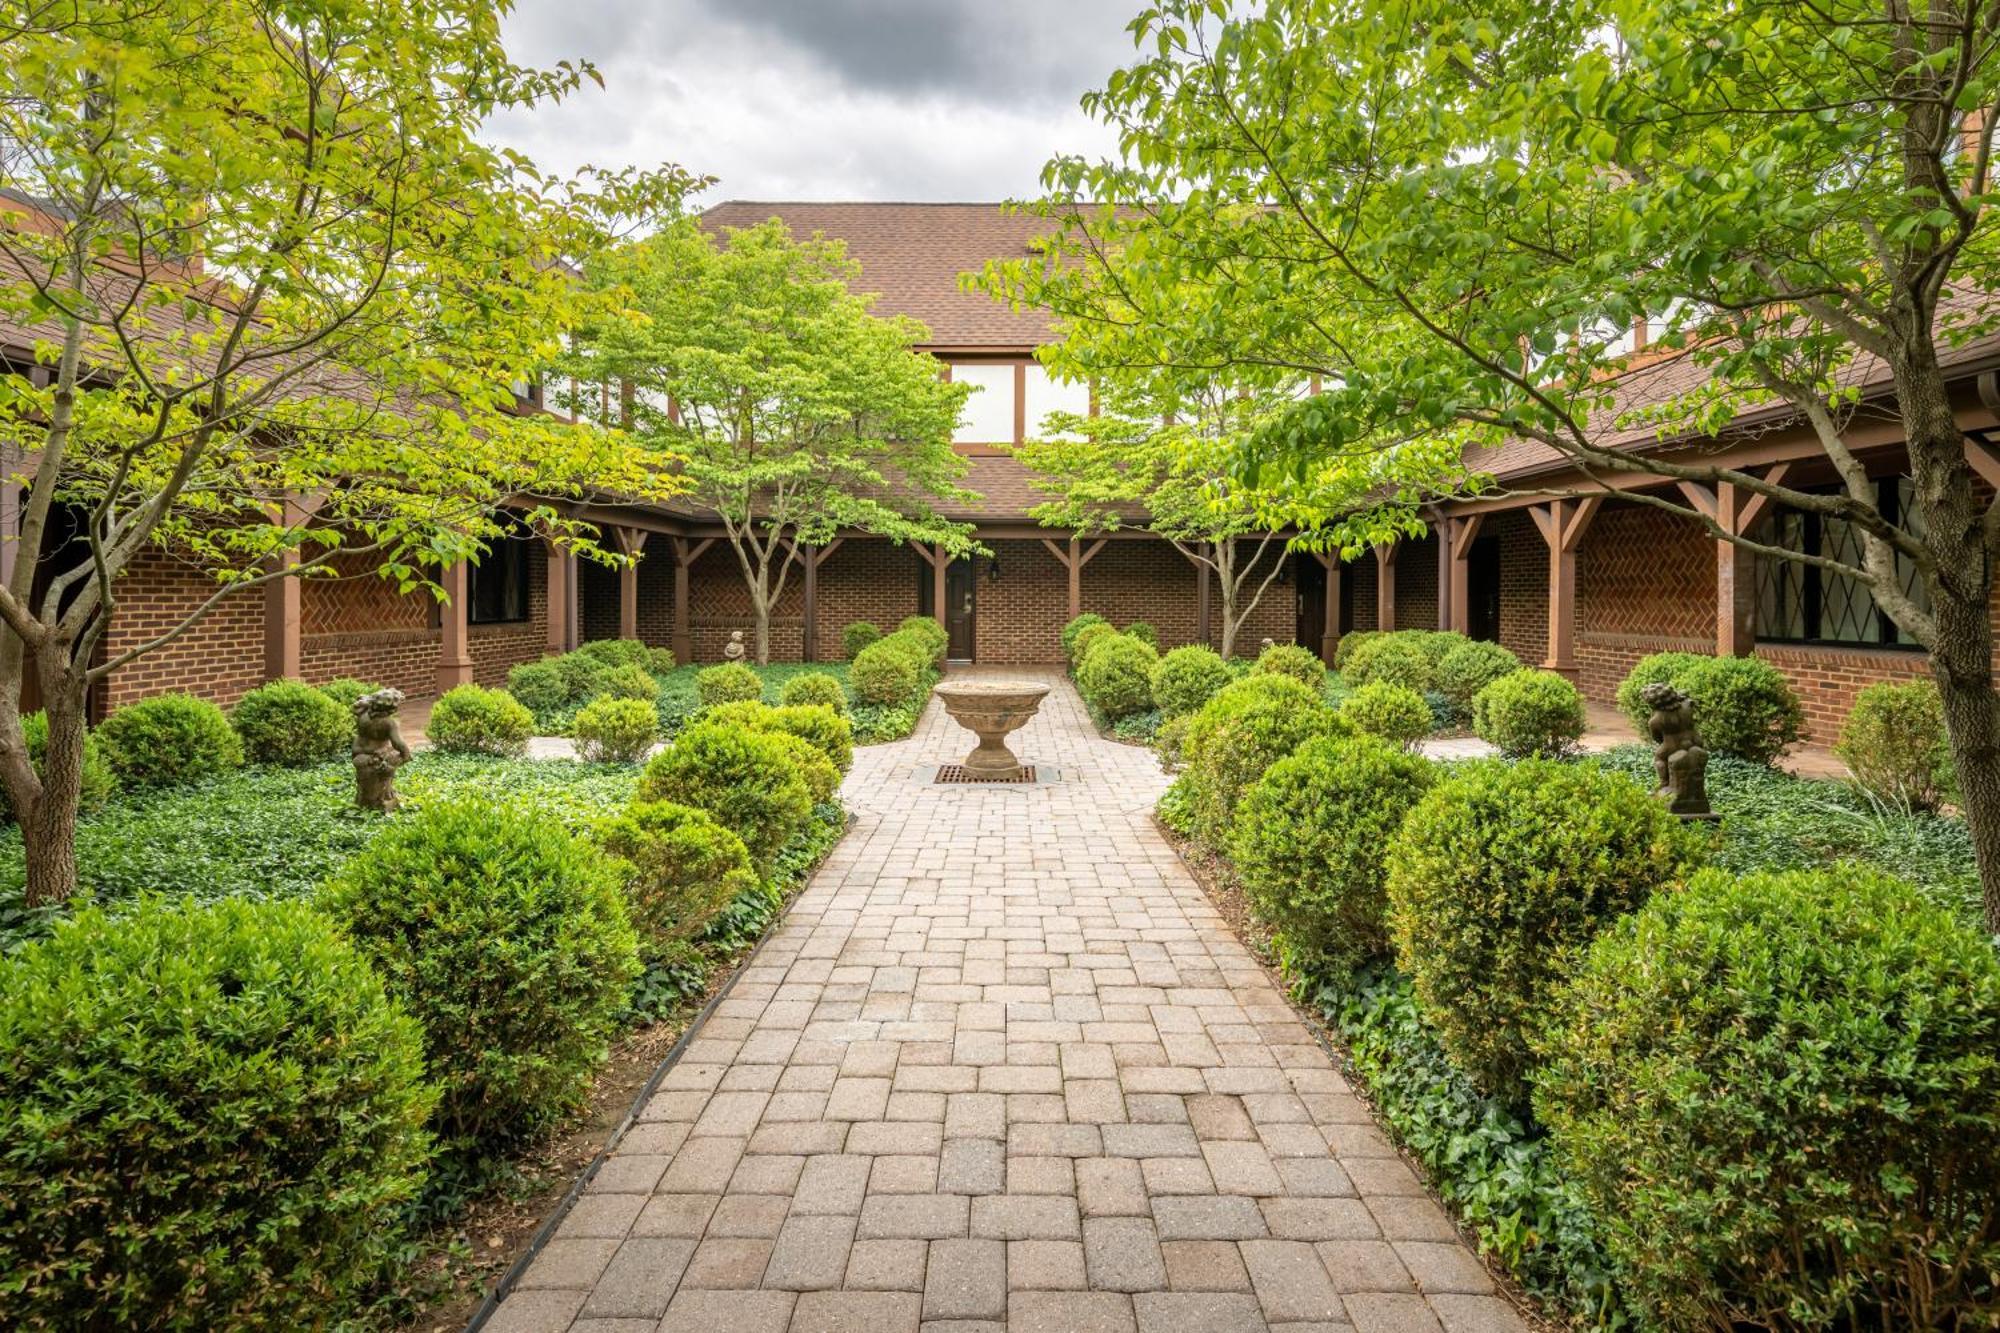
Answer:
(991, 710)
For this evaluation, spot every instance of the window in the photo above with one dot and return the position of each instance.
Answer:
(498, 591)
(1047, 394)
(988, 416)
(1800, 604)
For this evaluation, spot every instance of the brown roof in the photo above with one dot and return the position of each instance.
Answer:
(911, 256)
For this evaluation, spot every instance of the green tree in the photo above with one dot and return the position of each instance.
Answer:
(1155, 456)
(277, 291)
(794, 413)
(1452, 213)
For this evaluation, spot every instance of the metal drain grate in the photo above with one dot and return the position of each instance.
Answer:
(959, 773)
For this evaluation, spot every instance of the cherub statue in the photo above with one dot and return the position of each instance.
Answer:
(379, 749)
(1679, 761)
(733, 650)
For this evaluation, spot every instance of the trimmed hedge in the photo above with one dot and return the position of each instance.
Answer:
(822, 779)
(1087, 638)
(1186, 678)
(1653, 669)
(470, 719)
(1782, 1095)
(1116, 675)
(542, 687)
(1075, 627)
(1288, 659)
(211, 1116)
(746, 779)
(885, 674)
(1308, 844)
(684, 869)
(1395, 713)
(927, 632)
(1498, 875)
(1530, 713)
(628, 682)
(168, 740)
(1470, 667)
(815, 688)
(615, 731)
(727, 683)
(344, 690)
(1351, 643)
(1143, 631)
(1398, 659)
(1895, 744)
(508, 938)
(289, 722)
(1743, 706)
(857, 635)
(1249, 725)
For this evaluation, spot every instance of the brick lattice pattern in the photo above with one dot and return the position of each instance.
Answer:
(1004, 1066)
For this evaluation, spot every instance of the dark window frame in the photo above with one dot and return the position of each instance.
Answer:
(1779, 581)
(498, 584)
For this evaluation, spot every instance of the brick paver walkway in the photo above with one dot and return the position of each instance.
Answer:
(1003, 1066)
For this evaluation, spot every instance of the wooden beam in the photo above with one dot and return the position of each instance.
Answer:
(284, 599)
(560, 591)
(1735, 580)
(1982, 459)
(1556, 520)
(1467, 533)
(1464, 531)
(1699, 497)
(1329, 639)
(632, 543)
(685, 554)
(809, 648)
(454, 646)
(1385, 586)
(1752, 507)
(1582, 512)
(940, 562)
(1204, 614)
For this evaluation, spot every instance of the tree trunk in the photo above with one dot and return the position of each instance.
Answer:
(48, 821)
(760, 611)
(1961, 596)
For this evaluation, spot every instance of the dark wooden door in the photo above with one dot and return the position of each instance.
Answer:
(1482, 590)
(1311, 627)
(960, 596)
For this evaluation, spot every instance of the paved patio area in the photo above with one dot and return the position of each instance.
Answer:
(1003, 1066)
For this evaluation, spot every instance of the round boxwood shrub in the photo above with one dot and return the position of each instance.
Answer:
(1076, 626)
(928, 632)
(822, 779)
(1087, 638)
(825, 730)
(684, 868)
(1470, 667)
(543, 688)
(1288, 659)
(628, 682)
(1249, 725)
(1395, 713)
(1351, 643)
(615, 731)
(1116, 676)
(211, 1116)
(289, 722)
(744, 777)
(471, 719)
(167, 741)
(1895, 745)
(1309, 844)
(1743, 706)
(857, 635)
(1498, 876)
(1398, 659)
(815, 687)
(1186, 678)
(618, 652)
(99, 782)
(1529, 712)
(1437, 643)
(580, 674)
(344, 690)
(727, 683)
(884, 674)
(1653, 669)
(1143, 631)
(507, 936)
(1781, 1096)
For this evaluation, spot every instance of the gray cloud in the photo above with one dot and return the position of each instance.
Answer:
(828, 99)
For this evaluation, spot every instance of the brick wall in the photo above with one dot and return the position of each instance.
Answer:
(220, 658)
(1524, 585)
(1645, 583)
(1417, 584)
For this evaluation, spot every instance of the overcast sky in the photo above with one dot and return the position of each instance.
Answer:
(824, 99)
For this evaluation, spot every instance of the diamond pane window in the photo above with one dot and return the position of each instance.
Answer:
(1804, 604)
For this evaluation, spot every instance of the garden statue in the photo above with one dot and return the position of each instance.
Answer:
(1679, 761)
(1265, 645)
(733, 650)
(379, 749)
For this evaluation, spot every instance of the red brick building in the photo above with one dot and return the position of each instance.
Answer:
(1583, 585)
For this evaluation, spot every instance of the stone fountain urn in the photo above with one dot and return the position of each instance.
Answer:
(990, 709)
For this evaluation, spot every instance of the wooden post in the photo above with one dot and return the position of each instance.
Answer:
(632, 544)
(1385, 586)
(1464, 531)
(1204, 615)
(1075, 563)
(686, 552)
(1444, 563)
(1734, 510)
(809, 648)
(560, 591)
(454, 645)
(1329, 638)
(940, 562)
(283, 598)
(1562, 524)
